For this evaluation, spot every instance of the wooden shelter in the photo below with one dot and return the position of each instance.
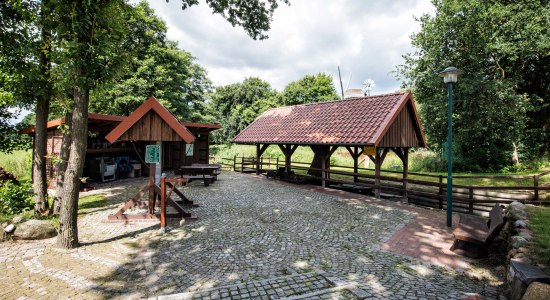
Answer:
(152, 122)
(100, 125)
(371, 125)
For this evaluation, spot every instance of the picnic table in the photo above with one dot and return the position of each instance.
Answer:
(206, 172)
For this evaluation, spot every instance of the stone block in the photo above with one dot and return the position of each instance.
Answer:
(35, 230)
(522, 275)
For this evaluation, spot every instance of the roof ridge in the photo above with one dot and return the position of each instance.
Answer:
(338, 100)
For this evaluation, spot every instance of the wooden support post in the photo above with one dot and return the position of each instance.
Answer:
(323, 172)
(259, 152)
(536, 187)
(471, 200)
(440, 193)
(405, 160)
(242, 164)
(377, 166)
(151, 185)
(355, 163)
(258, 155)
(163, 202)
(235, 163)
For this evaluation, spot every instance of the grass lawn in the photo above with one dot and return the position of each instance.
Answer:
(86, 204)
(417, 163)
(539, 218)
(19, 163)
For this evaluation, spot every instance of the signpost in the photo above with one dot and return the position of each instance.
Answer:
(152, 154)
(369, 150)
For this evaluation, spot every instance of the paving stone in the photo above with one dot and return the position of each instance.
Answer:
(254, 239)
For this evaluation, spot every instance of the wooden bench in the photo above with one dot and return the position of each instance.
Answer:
(196, 173)
(474, 235)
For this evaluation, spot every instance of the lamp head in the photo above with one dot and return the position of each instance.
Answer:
(450, 74)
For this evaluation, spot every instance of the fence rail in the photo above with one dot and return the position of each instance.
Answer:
(423, 189)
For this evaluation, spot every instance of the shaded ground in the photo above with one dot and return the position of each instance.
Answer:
(254, 239)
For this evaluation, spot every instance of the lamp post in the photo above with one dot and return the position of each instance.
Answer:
(450, 76)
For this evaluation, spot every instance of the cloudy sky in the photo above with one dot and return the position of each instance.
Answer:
(366, 38)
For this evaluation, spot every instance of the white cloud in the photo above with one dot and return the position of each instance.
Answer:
(365, 38)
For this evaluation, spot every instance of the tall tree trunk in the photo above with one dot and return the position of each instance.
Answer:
(68, 230)
(40, 185)
(62, 166)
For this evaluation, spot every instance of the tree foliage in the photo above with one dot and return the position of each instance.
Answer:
(254, 16)
(157, 68)
(310, 88)
(502, 99)
(237, 105)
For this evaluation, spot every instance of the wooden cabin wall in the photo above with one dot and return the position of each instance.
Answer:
(175, 153)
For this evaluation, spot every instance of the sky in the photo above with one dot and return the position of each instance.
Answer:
(366, 38)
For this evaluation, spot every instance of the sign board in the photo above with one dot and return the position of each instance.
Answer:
(152, 154)
(189, 149)
(369, 150)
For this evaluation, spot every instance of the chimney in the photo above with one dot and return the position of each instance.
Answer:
(353, 93)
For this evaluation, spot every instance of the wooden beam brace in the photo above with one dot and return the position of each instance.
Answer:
(262, 149)
(398, 152)
(283, 149)
(351, 151)
(332, 150)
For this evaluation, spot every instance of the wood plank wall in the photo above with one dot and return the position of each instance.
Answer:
(151, 128)
(403, 132)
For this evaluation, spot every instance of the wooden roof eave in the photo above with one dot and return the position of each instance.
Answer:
(306, 144)
(164, 114)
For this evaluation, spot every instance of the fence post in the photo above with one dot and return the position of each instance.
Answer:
(471, 202)
(235, 163)
(242, 164)
(536, 186)
(440, 191)
(277, 162)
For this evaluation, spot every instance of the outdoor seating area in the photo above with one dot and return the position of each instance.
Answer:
(208, 173)
(474, 235)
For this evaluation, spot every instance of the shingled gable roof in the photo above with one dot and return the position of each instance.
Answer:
(151, 105)
(356, 121)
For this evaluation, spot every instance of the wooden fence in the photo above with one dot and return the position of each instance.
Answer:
(419, 188)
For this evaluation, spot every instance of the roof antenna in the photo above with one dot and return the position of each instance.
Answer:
(349, 80)
(341, 86)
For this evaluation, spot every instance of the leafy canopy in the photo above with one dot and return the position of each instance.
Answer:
(502, 99)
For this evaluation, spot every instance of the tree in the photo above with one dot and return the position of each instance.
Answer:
(92, 33)
(26, 41)
(237, 105)
(309, 89)
(502, 99)
(158, 68)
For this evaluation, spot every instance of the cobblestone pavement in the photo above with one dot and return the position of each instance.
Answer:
(254, 239)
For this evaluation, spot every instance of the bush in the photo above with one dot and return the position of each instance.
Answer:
(14, 198)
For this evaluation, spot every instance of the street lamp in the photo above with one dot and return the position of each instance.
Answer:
(450, 75)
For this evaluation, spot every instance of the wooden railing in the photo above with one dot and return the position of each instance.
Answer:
(422, 189)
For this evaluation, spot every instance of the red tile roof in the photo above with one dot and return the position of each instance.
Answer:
(356, 121)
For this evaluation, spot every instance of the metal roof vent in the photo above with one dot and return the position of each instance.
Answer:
(353, 93)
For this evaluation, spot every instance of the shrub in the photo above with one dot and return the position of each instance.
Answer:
(15, 198)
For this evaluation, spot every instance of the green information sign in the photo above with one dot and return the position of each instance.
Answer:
(152, 154)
